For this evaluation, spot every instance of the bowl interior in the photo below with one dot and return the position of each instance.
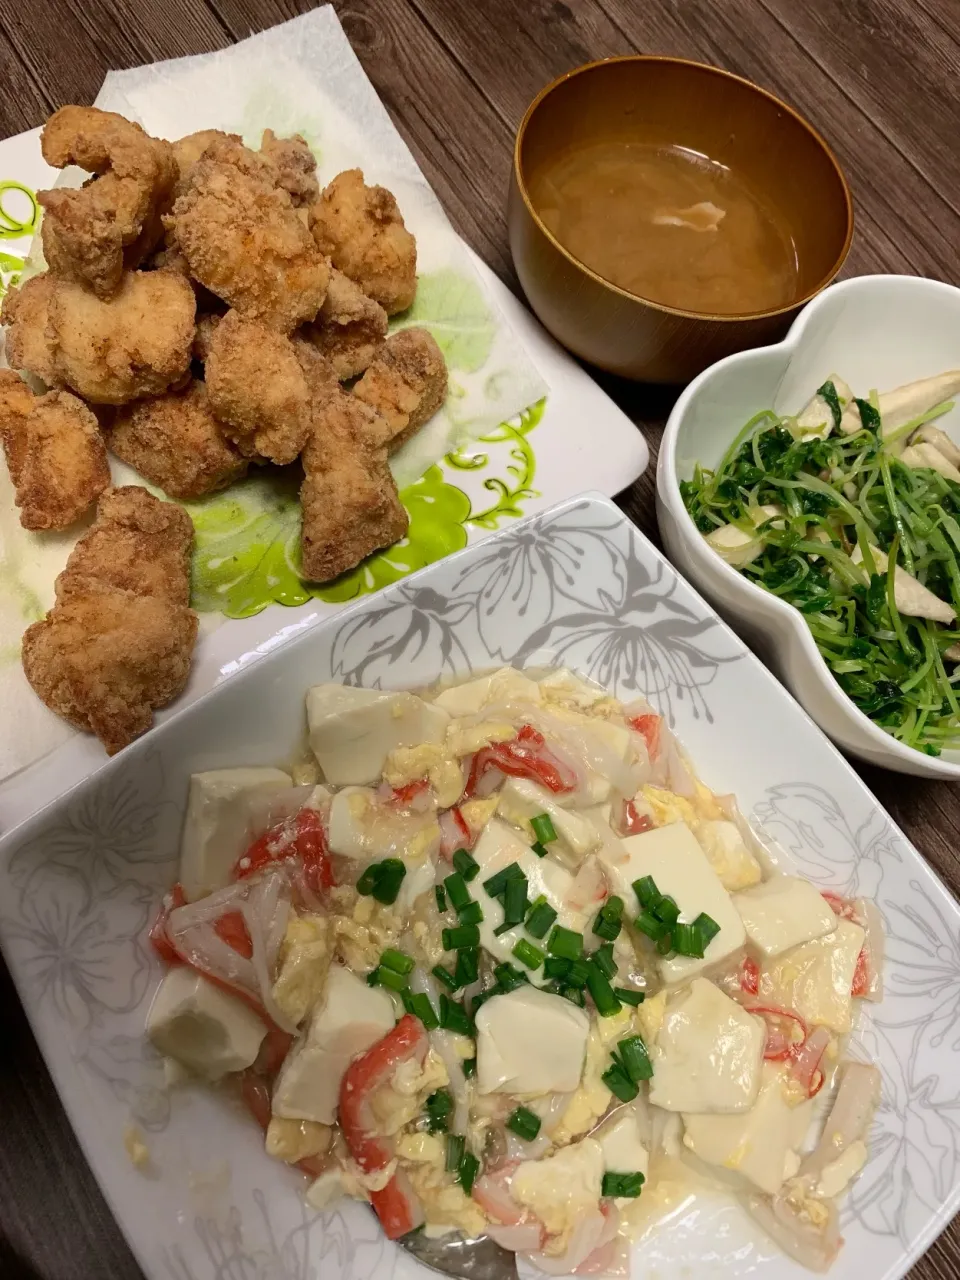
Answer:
(667, 102)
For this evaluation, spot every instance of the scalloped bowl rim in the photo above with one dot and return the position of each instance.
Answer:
(668, 491)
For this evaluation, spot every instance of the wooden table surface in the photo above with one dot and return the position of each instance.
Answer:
(877, 77)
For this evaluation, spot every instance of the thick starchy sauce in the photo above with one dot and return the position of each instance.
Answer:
(669, 225)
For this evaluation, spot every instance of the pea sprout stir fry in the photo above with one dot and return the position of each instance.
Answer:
(850, 512)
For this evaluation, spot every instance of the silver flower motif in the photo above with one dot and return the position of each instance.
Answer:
(412, 638)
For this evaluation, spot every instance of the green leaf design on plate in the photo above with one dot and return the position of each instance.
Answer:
(520, 471)
(12, 224)
(455, 311)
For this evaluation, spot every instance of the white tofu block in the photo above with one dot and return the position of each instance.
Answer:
(219, 824)
(783, 913)
(361, 826)
(529, 1041)
(562, 1188)
(521, 800)
(352, 731)
(761, 1144)
(708, 1053)
(349, 1018)
(203, 1027)
(815, 979)
(504, 685)
(497, 847)
(620, 1142)
(327, 1189)
(673, 856)
(562, 685)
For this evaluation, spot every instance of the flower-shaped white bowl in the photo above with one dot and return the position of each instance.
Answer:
(874, 331)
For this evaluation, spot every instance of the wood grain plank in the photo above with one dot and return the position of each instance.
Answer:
(23, 101)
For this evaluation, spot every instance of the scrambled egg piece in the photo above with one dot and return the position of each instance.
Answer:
(135, 1146)
(477, 813)
(401, 1102)
(428, 760)
(649, 1016)
(304, 960)
(463, 739)
(667, 806)
(444, 1202)
(563, 688)
(591, 1100)
(305, 774)
(560, 1189)
(719, 838)
(293, 1140)
(421, 1148)
(363, 936)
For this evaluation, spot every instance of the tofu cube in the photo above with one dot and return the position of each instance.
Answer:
(816, 979)
(203, 1027)
(224, 806)
(708, 1053)
(352, 731)
(621, 1144)
(564, 686)
(762, 1144)
(673, 856)
(362, 826)
(521, 800)
(349, 1018)
(505, 685)
(783, 913)
(529, 1041)
(562, 1188)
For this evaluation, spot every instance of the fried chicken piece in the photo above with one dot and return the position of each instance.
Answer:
(244, 241)
(187, 151)
(350, 503)
(259, 389)
(295, 164)
(55, 454)
(349, 328)
(360, 229)
(406, 383)
(117, 644)
(203, 336)
(107, 351)
(176, 443)
(112, 222)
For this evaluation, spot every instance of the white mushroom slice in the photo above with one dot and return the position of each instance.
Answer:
(816, 416)
(902, 404)
(923, 454)
(911, 597)
(735, 545)
(705, 216)
(930, 434)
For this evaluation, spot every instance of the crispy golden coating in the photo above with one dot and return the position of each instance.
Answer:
(360, 229)
(349, 498)
(92, 233)
(246, 243)
(295, 164)
(203, 335)
(187, 151)
(109, 351)
(54, 451)
(258, 388)
(117, 644)
(176, 443)
(349, 328)
(139, 543)
(406, 383)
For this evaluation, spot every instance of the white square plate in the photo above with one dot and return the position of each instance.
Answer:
(577, 584)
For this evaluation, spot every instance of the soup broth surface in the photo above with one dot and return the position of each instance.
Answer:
(670, 225)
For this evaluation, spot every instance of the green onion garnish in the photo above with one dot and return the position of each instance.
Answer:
(469, 1067)
(466, 864)
(457, 891)
(453, 1016)
(574, 995)
(419, 1005)
(464, 935)
(577, 973)
(707, 928)
(565, 942)
(539, 918)
(441, 895)
(445, 976)
(528, 954)
(472, 913)
(622, 1184)
(505, 927)
(455, 1145)
(509, 978)
(646, 891)
(397, 961)
(665, 944)
(601, 992)
(609, 919)
(373, 978)
(635, 1059)
(524, 1123)
(543, 828)
(515, 900)
(498, 883)
(439, 1107)
(629, 997)
(368, 878)
(467, 1173)
(382, 880)
(468, 966)
(666, 910)
(557, 967)
(393, 981)
(539, 849)
(619, 1083)
(687, 940)
(603, 959)
(648, 923)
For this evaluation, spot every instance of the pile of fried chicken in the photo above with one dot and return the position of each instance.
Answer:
(206, 309)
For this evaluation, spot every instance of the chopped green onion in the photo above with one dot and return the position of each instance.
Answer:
(373, 978)
(505, 927)
(528, 954)
(557, 967)
(515, 901)
(368, 878)
(382, 880)
(602, 992)
(455, 1145)
(603, 959)
(577, 973)
(394, 981)
(648, 923)
(439, 1107)
(635, 1059)
(565, 942)
(543, 828)
(646, 890)
(464, 935)
(687, 940)
(469, 1067)
(468, 966)
(441, 895)
(457, 891)
(524, 1123)
(509, 978)
(445, 976)
(466, 864)
(472, 913)
(609, 922)
(629, 997)
(667, 911)
(574, 995)
(665, 944)
(419, 1005)
(619, 1083)
(498, 883)
(625, 1185)
(539, 849)
(396, 960)
(707, 928)
(467, 1172)
(453, 1016)
(539, 918)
